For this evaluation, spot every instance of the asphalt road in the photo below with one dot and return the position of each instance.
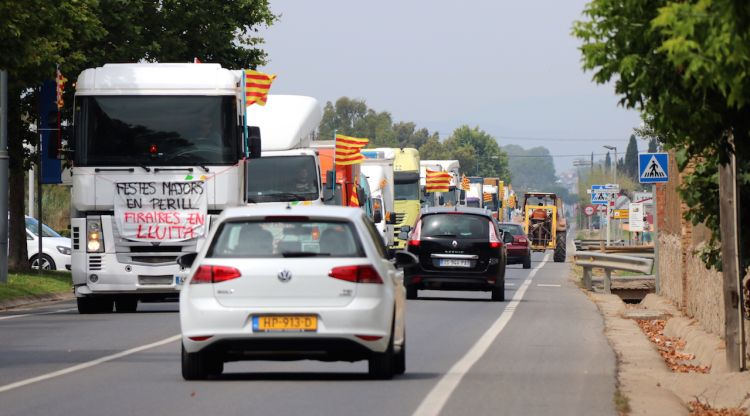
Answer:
(540, 352)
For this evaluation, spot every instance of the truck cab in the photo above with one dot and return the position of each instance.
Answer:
(406, 189)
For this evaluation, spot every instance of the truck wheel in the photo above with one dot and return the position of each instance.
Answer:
(89, 305)
(559, 256)
(126, 304)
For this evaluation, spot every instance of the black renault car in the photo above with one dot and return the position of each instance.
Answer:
(458, 248)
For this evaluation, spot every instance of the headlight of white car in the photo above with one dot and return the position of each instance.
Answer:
(64, 250)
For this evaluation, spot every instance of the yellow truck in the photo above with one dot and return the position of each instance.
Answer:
(407, 194)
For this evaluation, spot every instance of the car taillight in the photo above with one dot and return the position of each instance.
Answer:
(415, 237)
(214, 274)
(494, 241)
(363, 273)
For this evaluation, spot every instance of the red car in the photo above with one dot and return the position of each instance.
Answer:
(519, 251)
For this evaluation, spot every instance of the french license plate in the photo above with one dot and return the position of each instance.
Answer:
(454, 263)
(281, 323)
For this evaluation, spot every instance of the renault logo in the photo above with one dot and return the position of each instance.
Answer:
(454, 243)
(284, 276)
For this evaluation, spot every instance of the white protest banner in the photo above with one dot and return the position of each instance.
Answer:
(161, 211)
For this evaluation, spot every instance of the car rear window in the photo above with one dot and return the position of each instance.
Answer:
(455, 226)
(514, 229)
(263, 239)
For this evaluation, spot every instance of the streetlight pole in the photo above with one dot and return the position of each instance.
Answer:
(614, 165)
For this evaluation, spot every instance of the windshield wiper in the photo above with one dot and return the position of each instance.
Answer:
(295, 196)
(146, 168)
(302, 254)
(205, 169)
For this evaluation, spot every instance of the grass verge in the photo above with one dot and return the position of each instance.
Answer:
(20, 285)
(622, 405)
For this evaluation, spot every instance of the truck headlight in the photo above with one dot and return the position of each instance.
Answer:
(64, 250)
(94, 238)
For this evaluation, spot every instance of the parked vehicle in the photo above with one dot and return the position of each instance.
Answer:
(458, 249)
(55, 248)
(519, 250)
(406, 189)
(296, 283)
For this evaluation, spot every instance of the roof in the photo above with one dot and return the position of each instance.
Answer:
(325, 211)
(286, 121)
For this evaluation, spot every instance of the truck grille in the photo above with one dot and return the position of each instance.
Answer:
(95, 262)
(400, 217)
(76, 237)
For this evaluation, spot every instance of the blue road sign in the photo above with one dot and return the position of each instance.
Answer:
(653, 167)
(600, 194)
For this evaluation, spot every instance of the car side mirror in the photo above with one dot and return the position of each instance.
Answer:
(253, 140)
(404, 260)
(507, 238)
(186, 260)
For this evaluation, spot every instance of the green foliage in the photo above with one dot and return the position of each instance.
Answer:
(684, 64)
(530, 169)
(474, 148)
(34, 284)
(630, 164)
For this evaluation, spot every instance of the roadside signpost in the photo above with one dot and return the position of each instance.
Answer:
(603, 195)
(636, 217)
(589, 210)
(653, 168)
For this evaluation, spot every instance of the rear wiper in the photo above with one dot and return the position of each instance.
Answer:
(302, 254)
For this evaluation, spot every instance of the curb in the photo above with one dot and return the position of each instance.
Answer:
(35, 299)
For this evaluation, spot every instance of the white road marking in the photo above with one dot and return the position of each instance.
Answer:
(547, 285)
(88, 364)
(509, 284)
(435, 400)
(3, 318)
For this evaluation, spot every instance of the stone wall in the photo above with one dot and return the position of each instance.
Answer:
(670, 268)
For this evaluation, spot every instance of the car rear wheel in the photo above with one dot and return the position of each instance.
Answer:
(45, 262)
(527, 261)
(399, 365)
(411, 292)
(200, 365)
(382, 365)
(94, 304)
(126, 304)
(498, 292)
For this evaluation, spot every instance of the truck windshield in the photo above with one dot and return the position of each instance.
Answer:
(406, 186)
(282, 179)
(156, 131)
(449, 198)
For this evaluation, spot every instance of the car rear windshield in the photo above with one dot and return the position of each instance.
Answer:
(514, 229)
(455, 226)
(286, 238)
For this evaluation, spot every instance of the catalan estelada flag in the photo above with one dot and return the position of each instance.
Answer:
(437, 181)
(487, 197)
(60, 81)
(348, 150)
(464, 183)
(257, 85)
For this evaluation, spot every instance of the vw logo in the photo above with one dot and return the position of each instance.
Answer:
(454, 243)
(284, 276)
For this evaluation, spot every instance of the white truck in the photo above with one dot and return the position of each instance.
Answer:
(379, 173)
(289, 169)
(455, 196)
(157, 152)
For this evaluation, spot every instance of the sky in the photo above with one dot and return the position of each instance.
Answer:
(509, 67)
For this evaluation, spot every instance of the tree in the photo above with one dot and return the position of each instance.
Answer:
(607, 163)
(684, 65)
(630, 164)
(433, 150)
(531, 169)
(475, 145)
(652, 146)
(37, 35)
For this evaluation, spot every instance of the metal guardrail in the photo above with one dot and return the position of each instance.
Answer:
(590, 260)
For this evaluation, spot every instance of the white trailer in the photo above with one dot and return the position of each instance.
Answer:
(379, 173)
(156, 155)
(289, 170)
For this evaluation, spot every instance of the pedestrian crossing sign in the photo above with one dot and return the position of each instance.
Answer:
(600, 195)
(653, 167)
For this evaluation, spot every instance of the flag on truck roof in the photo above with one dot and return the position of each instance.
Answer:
(437, 181)
(257, 85)
(487, 197)
(348, 149)
(465, 183)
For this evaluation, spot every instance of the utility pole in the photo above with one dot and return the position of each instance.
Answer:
(4, 175)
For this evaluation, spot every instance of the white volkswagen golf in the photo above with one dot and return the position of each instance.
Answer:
(289, 284)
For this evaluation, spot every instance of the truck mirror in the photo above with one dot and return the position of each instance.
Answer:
(361, 196)
(377, 216)
(390, 218)
(253, 139)
(330, 178)
(441, 200)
